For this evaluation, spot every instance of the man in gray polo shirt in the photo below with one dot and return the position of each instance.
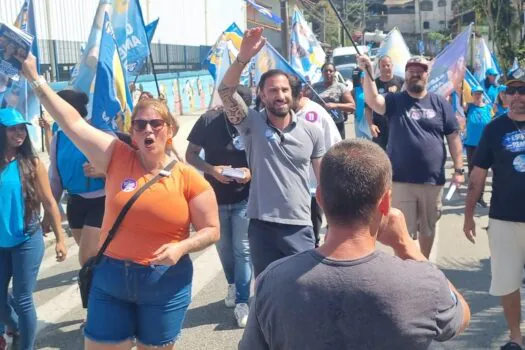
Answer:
(280, 148)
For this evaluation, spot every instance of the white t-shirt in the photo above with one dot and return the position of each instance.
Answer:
(317, 115)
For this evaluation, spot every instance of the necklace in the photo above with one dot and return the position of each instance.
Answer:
(517, 127)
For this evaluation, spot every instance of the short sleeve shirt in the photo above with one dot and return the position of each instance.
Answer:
(222, 145)
(502, 148)
(385, 87)
(280, 163)
(416, 144)
(307, 301)
(331, 94)
(477, 119)
(160, 215)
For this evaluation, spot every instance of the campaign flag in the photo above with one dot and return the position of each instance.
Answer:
(128, 26)
(306, 54)
(233, 36)
(515, 65)
(150, 32)
(269, 58)
(448, 68)
(112, 101)
(265, 12)
(483, 60)
(222, 64)
(396, 48)
(18, 94)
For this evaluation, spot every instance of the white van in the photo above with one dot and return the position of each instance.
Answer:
(346, 56)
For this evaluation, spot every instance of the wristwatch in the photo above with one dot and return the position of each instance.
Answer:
(459, 171)
(38, 82)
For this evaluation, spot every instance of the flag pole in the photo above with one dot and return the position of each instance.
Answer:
(348, 34)
(154, 71)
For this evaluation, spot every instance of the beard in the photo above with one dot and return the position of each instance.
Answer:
(279, 112)
(416, 87)
(517, 107)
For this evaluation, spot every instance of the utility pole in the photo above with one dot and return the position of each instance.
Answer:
(51, 46)
(364, 21)
(285, 30)
(419, 18)
(324, 24)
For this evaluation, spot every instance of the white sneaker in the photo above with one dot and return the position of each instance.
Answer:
(230, 298)
(241, 314)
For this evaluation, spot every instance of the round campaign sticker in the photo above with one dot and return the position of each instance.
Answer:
(519, 163)
(128, 185)
(311, 116)
(238, 143)
(270, 135)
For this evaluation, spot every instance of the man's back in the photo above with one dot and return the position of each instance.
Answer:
(377, 302)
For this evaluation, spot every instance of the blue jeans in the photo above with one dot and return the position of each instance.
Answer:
(21, 263)
(148, 303)
(234, 248)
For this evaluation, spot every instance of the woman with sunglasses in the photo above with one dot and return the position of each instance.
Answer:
(24, 186)
(142, 287)
(336, 98)
(70, 171)
(478, 116)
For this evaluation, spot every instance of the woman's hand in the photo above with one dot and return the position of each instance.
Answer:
(61, 250)
(169, 254)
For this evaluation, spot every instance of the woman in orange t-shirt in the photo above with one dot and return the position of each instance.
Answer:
(142, 287)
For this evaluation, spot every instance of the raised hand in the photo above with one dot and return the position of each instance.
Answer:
(251, 44)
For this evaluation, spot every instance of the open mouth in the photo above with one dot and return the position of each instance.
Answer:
(148, 141)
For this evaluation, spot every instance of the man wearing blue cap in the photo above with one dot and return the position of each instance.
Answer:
(490, 84)
(502, 148)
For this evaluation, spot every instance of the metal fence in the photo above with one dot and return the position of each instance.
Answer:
(58, 58)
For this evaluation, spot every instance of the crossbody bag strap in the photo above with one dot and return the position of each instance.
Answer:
(112, 232)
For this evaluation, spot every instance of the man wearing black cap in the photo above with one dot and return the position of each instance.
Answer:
(419, 121)
(502, 148)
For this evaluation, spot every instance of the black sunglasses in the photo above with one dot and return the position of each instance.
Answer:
(512, 90)
(140, 124)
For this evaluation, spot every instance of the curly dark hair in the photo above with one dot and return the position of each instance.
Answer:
(27, 162)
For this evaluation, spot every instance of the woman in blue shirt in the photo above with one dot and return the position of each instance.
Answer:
(478, 116)
(24, 186)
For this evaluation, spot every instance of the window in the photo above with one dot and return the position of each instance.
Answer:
(442, 3)
(427, 6)
(426, 25)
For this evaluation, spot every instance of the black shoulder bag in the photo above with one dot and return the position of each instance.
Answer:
(85, 275)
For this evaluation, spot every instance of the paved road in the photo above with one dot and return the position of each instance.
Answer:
(209, 325)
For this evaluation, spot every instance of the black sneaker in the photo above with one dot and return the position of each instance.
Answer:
(511, 346)
(482, 203)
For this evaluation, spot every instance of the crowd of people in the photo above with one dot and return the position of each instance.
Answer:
(269, 176)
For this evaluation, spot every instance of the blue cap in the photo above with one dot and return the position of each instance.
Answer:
(491, 71)
(477, 88)
(502, 88)
(10, 117)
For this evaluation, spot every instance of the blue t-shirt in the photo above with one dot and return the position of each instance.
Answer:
(500, 110)
(492, 92)
(11, 207)
(416, 144)
(362, 129)
(477, 119)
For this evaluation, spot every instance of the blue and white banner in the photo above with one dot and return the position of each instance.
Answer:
(112, 101)
(265, 12)
(396, 48)
(483, 60)
(306, 54)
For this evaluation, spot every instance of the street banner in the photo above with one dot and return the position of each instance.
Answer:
(448, 68)
(112, 102)
(306, 54)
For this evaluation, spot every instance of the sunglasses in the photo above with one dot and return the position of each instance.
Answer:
(512, 90)
(141, 124)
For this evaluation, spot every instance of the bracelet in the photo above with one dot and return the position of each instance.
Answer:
(240, 62)
(38, 83)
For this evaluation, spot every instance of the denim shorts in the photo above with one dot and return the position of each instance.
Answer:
(131, 301)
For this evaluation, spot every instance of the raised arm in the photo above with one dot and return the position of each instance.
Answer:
(373, 99)
(234, 106)
(95, 144)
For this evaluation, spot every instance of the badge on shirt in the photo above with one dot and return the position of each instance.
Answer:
(128, 185)
(519, 163)
(392, 88)
(381, 90)
(311, 116)
(238, 143)
(271, 135)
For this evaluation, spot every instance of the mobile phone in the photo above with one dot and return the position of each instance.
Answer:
(234, 173)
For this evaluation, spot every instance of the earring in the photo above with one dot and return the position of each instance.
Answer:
(169, 142)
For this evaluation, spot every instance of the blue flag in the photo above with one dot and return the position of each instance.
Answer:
(448, 68)
(265, 12)
(232, 37)
(18, 94)
(150, 32)
(112, 102)
(306, 54)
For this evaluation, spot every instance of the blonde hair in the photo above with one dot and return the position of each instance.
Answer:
(163, 111)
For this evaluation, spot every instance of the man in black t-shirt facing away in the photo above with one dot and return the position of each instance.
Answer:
(223, 152)
(418, 121)
(386, 83)
(502, 148)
